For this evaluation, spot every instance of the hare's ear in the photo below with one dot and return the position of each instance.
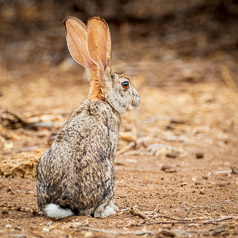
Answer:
(99, 43)
(76, 37)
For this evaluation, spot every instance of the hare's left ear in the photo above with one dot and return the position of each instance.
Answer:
(76, 37)
(99, 43)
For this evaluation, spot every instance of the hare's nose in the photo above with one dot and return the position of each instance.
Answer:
(135, 100)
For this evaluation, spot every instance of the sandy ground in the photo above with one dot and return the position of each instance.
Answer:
(176, 165)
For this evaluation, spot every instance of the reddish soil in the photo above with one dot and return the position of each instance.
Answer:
(176, 165)
(178, 176)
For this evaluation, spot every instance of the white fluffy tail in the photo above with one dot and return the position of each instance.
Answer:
(55, 211)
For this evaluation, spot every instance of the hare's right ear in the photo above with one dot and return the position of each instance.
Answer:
(76, 37)
(99, 43)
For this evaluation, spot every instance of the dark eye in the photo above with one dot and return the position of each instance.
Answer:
(125, 84)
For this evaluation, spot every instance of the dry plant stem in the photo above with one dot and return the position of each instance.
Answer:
(171, 218)
(124, 210)
(190, 221)
(134, 187)
(218, 220)
(138, 233)
(137, 212)
(156, 209)
(19, 235)
(187, 233)
(127, 147)
(150, 232)
(188, 212)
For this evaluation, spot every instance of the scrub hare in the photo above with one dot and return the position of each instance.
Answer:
(76, 175)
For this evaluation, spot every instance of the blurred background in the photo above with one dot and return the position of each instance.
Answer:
(167, 47)
(203, 34)
(177, 152)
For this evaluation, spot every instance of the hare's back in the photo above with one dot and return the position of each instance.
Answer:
(79, 165)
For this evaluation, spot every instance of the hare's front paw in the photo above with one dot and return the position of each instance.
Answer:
(113, 206)
(110, 209)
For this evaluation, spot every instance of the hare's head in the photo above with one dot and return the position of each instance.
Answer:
(91, 47)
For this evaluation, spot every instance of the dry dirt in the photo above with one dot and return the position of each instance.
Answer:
(176, 166)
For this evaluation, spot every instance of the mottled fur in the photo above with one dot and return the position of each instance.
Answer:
(77, 172)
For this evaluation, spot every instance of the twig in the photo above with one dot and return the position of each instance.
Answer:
(151, 232)
(171, 222)
(132, 144)
(156, 210)
(19, 235)
(138, 233)
(124, 210)
(16, 120)
(188, 233)
(217, 220)
(213, 231)
(185, 221)
(137, 212)
(27, 149)
(188, 212)
(171, 218)
(223, 172)
(134, 187)
(127, 147)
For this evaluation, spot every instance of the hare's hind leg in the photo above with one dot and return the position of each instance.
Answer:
(105, 210)
(45, 204)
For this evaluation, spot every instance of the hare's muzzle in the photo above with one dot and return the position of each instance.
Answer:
(135, 99)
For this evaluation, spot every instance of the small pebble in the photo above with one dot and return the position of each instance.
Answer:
(199, 155)
(168, 169)
(45, 229)
(4, 212)
(183, 184)
(8, 226)
(18, 208)
(205, 177)
(223, 184)
(17, 228)
(198, 183)
(234, 170)
(171, 155)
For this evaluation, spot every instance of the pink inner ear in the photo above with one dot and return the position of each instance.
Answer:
(76, 36)
(99, 42)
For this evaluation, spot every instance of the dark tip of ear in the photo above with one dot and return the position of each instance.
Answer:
(64, 22)
(65, 19)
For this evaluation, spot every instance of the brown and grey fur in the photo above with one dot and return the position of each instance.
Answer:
(77, 173)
